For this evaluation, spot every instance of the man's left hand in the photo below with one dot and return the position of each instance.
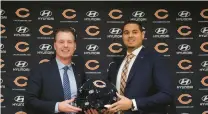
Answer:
(91, 111)
(123, 104)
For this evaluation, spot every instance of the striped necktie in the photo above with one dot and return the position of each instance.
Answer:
(124, 73)
(66, 84)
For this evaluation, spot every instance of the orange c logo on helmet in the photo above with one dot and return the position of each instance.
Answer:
(2, 100)
(44, 60)
(90, 33)
(182, 33)
(113, 50)
(202, 13)
(22, 43)
(20, 78)
(99, 83)
(20, 10)
(20, 112)
(69, 10)
(184, 61)
(205, 112)
(203, 81)
(203, 45)
(2, 65)
(46, 33)
(3, 30)
(92, 68)
(159, 50)
(115, 11)
(180, 99)
(161, 17)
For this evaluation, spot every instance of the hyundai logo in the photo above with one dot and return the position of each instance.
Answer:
(161, 30)
(184, 14)
(92, 47)
(22, 29)
(2, 12)
(184, 47)
(21, 64)
(204, 64)
(115, 31)
(45, 13)
(45, 47)
(1, 80)
(205, 98)
(1, 46)
(138, 14)
(184, 81)
(204, 30)
(92, 13)
(19, 99)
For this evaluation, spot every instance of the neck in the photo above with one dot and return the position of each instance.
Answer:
(65, 61)
(131, 49)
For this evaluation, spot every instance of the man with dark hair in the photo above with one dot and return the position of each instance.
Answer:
(143, 79)
(52, 86)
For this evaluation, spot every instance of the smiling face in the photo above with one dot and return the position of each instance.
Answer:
(132, 36)
(64, 45)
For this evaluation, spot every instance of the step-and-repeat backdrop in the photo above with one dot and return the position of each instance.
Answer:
(178, 30)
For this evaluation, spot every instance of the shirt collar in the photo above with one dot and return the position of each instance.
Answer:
(61, 65)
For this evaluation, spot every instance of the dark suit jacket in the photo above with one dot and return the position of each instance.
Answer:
(45, 87)
(149, 83)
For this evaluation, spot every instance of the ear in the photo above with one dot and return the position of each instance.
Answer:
(75, 47)
(54, 46)
(143, 35)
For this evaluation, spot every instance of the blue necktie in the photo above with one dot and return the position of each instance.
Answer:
(66, 84)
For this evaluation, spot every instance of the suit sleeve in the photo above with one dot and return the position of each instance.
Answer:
(33, 93)
(163, 81)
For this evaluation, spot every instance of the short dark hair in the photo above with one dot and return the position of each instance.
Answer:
(68, 29)
(133, 22)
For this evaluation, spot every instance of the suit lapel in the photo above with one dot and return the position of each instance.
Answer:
(57, 78)
(139, 58)
(76, 75)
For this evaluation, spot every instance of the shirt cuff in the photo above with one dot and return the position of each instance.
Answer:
(134, 105)
(56, 107)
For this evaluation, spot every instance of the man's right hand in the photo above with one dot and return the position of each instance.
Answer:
(65, 106)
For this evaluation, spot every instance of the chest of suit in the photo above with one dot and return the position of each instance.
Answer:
(51, 84)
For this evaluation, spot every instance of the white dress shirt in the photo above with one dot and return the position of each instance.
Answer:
(72, 80)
